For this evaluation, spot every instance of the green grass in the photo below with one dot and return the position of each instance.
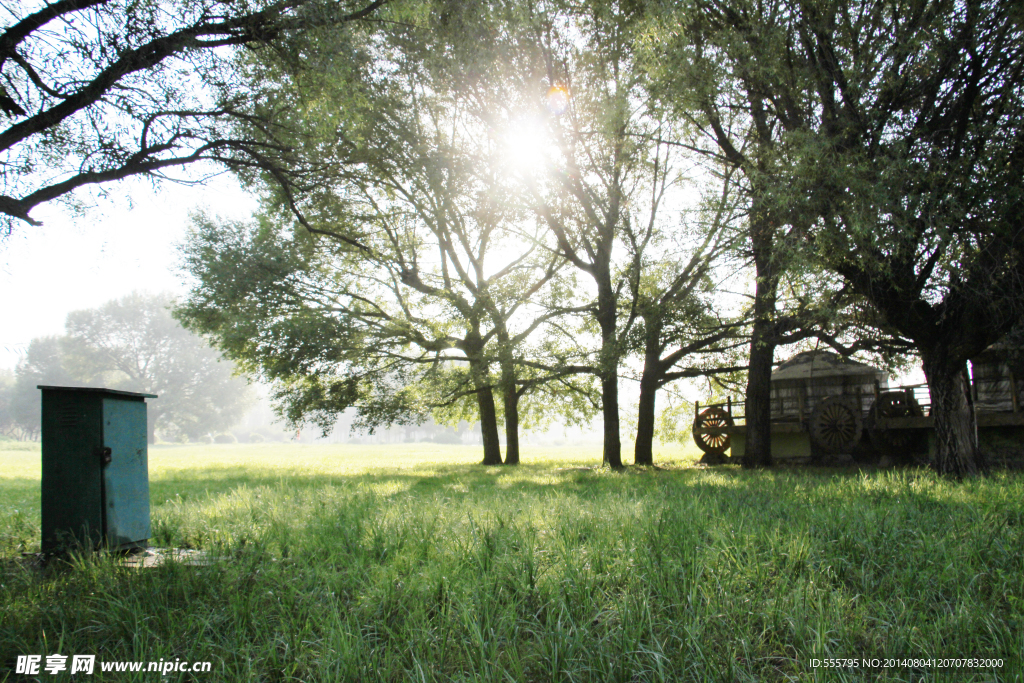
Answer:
(352, 563)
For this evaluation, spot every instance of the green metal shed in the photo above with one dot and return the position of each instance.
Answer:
(95, 487)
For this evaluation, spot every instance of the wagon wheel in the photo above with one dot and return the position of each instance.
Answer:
(717, 441)
(895, 443)
(835, 425)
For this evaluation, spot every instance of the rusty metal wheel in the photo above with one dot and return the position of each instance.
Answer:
(716, 441)
(835, 425)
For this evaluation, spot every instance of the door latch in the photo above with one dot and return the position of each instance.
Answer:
(104, 453)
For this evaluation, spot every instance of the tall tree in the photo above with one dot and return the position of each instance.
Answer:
(710, 69)
(600, 197)
(401, 239)
(723, 66)
(680, 334)
(897, 130)
(600, 174)
(133, 344)
(488, 53)
(922, 108)
(95, 91)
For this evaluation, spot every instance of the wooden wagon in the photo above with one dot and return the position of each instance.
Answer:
(825, 408)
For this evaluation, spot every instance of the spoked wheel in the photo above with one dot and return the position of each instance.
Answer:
(715, 440)
(898, 444)
(835, 425)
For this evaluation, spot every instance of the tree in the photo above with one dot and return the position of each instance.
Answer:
(601, 193)
(922, 212)
(898, 130)
(731, 68)
(8, 425)
(133, 344)
(44, 363)
(392, 249)
(100, 90)
(900, 127)
(711, 70)
(678, 323)
(281, 307)
(412, 179)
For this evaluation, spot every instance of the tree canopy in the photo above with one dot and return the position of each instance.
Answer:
(489, 197)
(133, 344)
(403, 244)
(95, 91)
(457, 213)
(877, 141)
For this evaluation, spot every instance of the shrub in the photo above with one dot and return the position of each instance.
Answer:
(256, 437)
(225, 438)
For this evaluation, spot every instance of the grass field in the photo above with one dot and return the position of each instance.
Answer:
(412, 563)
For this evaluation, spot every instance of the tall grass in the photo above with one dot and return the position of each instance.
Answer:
(378, 564)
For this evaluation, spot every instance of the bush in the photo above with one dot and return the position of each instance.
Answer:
(256, 437)
(206, 438)
(225, 438)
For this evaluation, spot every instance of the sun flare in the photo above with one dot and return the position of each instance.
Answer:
(557, 99)
(527, 145)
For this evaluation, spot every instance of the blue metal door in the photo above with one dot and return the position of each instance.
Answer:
(126, 476)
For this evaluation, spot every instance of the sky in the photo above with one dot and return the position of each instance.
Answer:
(118, 246)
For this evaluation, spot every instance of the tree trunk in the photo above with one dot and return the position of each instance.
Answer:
(511, 424)
(488, 414)
(758, 408)
(510, 400)
(955, 423)
(610, 412)
(644, 450)
(762, 350)
(151, 428)
(609, 367)
(610, 404)
(489, 427)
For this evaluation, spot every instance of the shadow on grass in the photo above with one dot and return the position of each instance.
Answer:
(735, 487)
(727, 493)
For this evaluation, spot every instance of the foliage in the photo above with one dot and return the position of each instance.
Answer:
(308, 323)
(100, 90)
(133, 344)
(603, 181)
(9, 426)
(922, 212)
(900, 152)
(44, 363)
(882, 142)
(401, 271)
(328, 565)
